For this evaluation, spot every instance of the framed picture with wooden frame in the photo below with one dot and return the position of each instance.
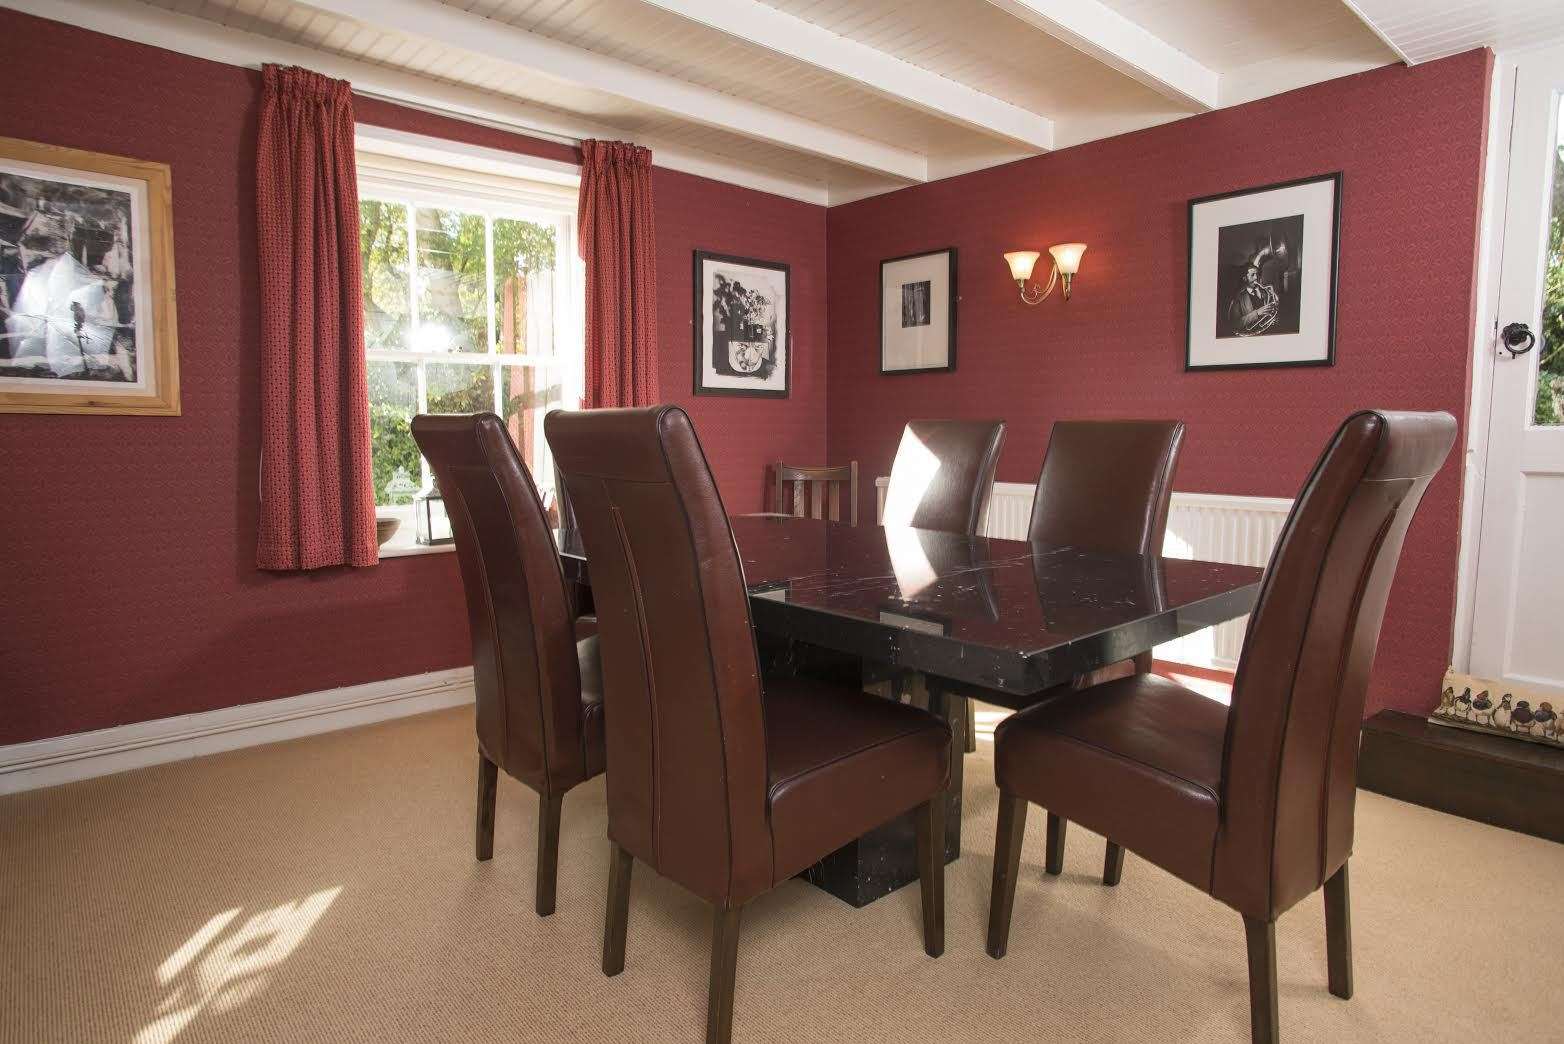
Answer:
(87, 320)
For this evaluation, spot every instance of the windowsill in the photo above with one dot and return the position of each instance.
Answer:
(404, 543)
(397, 549)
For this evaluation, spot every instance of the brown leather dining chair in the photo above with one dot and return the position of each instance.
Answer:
(1254, 804)
(535, 664)
(943, 474)
(719, 782)
(1105, 486)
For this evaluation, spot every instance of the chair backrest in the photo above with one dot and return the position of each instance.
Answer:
(1106, 485)
(943, 474)
(681, 681)
(520, 613)
(1290, 763)
(817, 492)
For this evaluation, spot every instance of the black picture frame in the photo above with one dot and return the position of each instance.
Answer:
(702, 350)
(953, 299)
(1329, 358)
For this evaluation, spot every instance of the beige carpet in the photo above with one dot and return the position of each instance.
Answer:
(325, 890)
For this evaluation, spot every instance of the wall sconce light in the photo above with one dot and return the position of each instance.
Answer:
(1067, 261)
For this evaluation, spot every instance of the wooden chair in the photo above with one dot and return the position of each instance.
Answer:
(818, 488)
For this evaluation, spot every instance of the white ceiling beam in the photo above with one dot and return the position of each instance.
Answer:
(1374, 27)
(900, 81)
(1095, 29)
(200, 38)
(451, 27)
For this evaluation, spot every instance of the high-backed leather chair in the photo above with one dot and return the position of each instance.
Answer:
(943, 474)
(1104, 486)
(725, 785)
(535, 665)
(1252, 805)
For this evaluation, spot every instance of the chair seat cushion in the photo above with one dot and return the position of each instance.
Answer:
(591, 704)
(840, 763)
(1138, 760)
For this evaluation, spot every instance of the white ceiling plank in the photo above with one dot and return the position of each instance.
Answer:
(1095, 29)
(450, 27)
(756, 23)
(200, 38)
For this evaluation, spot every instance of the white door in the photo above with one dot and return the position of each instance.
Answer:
(1518, 619)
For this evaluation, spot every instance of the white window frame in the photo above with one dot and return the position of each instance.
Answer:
(413, 171)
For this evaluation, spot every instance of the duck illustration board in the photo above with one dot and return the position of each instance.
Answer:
(1497, 708)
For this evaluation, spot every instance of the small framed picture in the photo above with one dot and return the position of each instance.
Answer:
(87, 319)
(1262, 276)
(742, 344)
(918, 313)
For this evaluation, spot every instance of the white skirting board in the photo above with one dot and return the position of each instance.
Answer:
(1208, 526)
(82, 755)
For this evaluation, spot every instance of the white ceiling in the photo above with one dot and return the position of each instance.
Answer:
(824, 100)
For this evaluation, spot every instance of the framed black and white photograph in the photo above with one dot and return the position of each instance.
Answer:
(1262, 276)
(742, 342)
(86, 283)
(918, 313)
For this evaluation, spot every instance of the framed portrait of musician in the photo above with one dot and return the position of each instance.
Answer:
(1262, 276)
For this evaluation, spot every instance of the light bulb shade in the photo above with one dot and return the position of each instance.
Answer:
(1021, 262)
(1068, 256)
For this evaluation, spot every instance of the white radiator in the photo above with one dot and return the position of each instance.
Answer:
(1208, 526)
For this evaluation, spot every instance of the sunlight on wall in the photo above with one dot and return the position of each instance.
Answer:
(215, 972)
(912, 474)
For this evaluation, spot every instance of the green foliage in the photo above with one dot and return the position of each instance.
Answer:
(1550, 373)
(451, 257)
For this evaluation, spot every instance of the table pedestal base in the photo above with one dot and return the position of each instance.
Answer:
(886, 858)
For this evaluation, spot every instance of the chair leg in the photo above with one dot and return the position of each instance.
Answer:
(1260, 935)
(1112, 864)
(971, 744)
(1054, 860)
(488, 784)
(620, 865)
(931, 872)
(1007, 865)
(1338, 933)
(549, 808)
(724, 971)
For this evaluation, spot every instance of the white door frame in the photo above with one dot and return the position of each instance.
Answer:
(1495, 203)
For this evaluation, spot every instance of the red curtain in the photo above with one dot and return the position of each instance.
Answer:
(619, 244)
(317, 497)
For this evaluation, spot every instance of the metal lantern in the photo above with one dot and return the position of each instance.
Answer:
(433, 525)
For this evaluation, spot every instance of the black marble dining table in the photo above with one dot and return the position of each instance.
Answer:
(956, 613)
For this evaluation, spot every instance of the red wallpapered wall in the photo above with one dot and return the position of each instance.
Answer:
(127, 585)
(1410, 143)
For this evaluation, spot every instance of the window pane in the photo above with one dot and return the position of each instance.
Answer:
(1550, 364)
(452, 311)
(382, 232)
(458, 388)
(523, 287)
(529, 392)
(393, 400)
